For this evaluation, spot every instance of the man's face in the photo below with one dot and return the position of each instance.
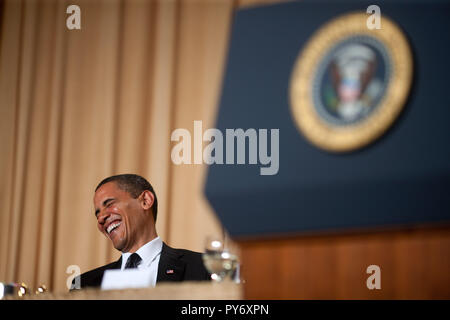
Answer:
(120, 217)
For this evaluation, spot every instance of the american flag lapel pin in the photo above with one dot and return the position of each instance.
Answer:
(169, 271)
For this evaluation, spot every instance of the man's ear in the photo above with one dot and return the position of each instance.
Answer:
(147, 199)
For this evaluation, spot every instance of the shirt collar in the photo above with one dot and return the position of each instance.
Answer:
(148, 252)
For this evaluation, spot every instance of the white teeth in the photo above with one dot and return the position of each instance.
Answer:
(113, 226)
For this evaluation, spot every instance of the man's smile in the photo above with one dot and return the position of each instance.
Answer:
(112, 227)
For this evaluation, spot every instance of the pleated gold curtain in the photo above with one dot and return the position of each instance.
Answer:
(79, 105)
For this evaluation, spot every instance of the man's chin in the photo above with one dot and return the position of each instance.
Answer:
(118, 245)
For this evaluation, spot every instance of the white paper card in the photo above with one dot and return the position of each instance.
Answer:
(131, 278)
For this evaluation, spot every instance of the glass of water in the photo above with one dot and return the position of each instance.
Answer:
(218, 260)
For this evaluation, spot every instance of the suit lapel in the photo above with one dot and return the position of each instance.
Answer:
(170, 267)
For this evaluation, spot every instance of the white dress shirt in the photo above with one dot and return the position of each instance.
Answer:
(150, 254)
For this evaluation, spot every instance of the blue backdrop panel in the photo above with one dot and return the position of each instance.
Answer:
(401, 179)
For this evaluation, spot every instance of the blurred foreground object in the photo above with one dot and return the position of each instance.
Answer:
(12, 289)
(22, 290)
(41, 289)
(163, 291)
(401, 179)
(374, 195)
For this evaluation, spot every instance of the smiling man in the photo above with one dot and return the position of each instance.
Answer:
(126, 208)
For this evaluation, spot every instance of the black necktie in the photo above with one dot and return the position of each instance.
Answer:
(133, 261)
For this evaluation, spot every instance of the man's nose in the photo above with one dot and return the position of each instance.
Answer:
(102, 216)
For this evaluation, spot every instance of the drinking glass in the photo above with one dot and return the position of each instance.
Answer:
(218, 260)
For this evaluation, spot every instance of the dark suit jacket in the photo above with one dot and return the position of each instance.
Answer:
(186, 265)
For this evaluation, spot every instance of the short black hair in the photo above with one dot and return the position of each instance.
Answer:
(134, 185)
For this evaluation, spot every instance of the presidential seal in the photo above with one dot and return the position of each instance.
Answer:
(350, 83)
